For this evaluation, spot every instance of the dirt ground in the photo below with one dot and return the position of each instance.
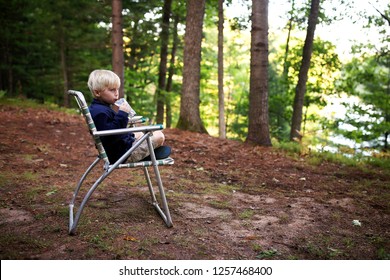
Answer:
(228, 200)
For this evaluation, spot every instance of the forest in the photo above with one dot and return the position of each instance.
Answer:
(186, 64)
(277, 113)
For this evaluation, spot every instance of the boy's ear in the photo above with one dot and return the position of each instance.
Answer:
(96, 93)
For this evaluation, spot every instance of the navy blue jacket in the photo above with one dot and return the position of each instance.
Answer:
(106, 118)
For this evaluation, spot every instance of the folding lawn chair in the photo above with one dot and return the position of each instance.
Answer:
(108, 167)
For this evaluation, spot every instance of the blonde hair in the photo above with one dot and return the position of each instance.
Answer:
(101, 79)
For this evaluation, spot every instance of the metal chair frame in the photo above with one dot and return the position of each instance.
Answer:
(108, 168)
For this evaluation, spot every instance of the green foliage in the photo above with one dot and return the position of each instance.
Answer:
(381, 160)
(366, 80)
(292, 148)
(325, 65)
(44, 40)
(367, 120)
(141, 22)
(344, 156)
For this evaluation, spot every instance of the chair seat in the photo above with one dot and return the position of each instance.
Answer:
(165, 161)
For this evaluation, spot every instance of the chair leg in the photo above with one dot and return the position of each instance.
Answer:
(75, 193)
(72, 228)
(150, 186)
(74, 219)
(165, 214)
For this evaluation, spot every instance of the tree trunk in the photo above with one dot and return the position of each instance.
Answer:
(168, 115)
(221, 95)
(117, 43)
(258, 129)
(189, 118)
(64, 70)
(132, 58)
(163, 61)
(300, 90)
(287, 49)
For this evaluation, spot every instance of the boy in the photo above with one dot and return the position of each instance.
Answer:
(104, 85)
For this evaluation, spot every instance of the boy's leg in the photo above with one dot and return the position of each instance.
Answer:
(143, 150)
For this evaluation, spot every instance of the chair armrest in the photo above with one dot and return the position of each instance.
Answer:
(144, 129)
(137, 119)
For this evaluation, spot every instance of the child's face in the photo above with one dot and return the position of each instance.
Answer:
(108, 95)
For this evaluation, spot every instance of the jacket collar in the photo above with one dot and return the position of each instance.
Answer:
(97, 101)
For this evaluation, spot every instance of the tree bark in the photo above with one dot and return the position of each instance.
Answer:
(117, 43)
(171, 71)
(189, 118)
(286, 52)
(64, 70)
(163, 61)
(221, 94)
(300, 90)
(258, 128)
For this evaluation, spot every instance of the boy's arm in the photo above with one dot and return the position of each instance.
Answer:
(104, 121)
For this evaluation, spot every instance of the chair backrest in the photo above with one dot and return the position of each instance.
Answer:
(90, 123)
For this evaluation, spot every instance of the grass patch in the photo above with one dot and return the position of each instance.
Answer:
(102, 236)
(316, 158)
(381, 244)
(5, 179)
(284, 218)
(29, 176)
(379, 161)
(267, 254)
(35, 104)
(383, 254)
(315, 251)
(19, 244)
(224, 190)
(246, 214)
(220, 204)
(32, 194)
(39, 193)
(291, 148)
